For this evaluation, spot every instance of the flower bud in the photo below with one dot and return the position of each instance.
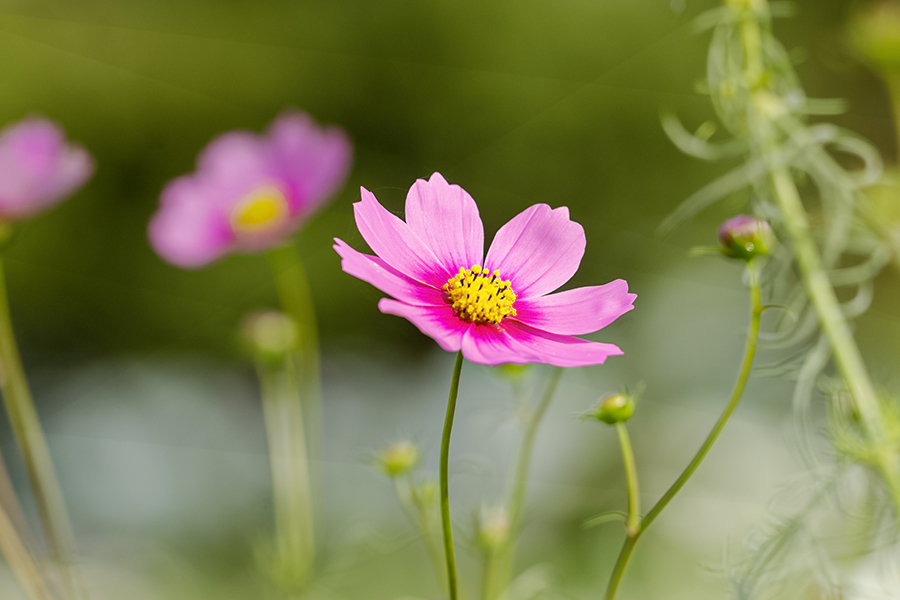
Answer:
(614, 408)
(492, 528)
(270, 335)
(398, 458)
(745, 237)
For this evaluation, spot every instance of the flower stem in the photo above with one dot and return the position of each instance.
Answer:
(636, 527)
(26, 426)
(445, 487)
(846, 354)
(294, 532)
(295, 298)
(633, 521)
(20, 560)
(498, 564)
(301, 427)
(418, 514)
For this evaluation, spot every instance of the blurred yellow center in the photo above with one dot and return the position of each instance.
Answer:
(479, 296)
(263, 209)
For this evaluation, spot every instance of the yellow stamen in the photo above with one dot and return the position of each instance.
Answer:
(262, 210)
(479, 296)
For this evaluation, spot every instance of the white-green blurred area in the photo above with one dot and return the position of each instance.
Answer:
(153, 414)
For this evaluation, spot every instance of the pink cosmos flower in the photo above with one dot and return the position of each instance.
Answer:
(38, 168)
(495, 309)
(250, 192)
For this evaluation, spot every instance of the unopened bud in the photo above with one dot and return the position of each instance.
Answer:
(492, 528)
(615, 408)
(398, 458)
(745, 237)
(270, 335)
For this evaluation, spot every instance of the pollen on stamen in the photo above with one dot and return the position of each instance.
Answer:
(490, 307)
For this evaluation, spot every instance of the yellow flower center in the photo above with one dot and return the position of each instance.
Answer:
(479, 296)
(262, 210)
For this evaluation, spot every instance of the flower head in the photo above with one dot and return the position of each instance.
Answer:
(497, 308)
(38, 168)
(249, 192)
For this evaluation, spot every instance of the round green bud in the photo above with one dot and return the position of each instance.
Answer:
(398, 458)
(269, 335)
(745, 237)
(615, 408)
(492, 528)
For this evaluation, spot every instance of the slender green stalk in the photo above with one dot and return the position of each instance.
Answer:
(419, 515)
(20, 560)
(294, 530)
(295, 298)
(635, 532)
(305, 408)
(9, 503)
(26, 426)
(815, 280)
(633, 521)
(446, 524)
(498, 564)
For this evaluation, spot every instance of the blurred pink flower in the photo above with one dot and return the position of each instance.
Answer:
(495, 309)
(250, 192)
(38, 168)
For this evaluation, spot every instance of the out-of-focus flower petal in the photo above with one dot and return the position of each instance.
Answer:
(579, 311)
(446, 218)
(38, 168)
(538, 250)
(314, 161)
(188, 231)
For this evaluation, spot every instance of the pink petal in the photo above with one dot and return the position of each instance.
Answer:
(236, 159)
(188, 230)
(579, 311)
(538, 250)
(437, 322)
(314, 161)
(517, 343)
(445, 217)
(392, 240)
(375, 271)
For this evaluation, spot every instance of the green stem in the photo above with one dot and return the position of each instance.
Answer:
(20, 560)
(446, 524)
(294, 531)
(295, 297)
(633, 521)
(9, 503)
(498, 564)
(635, 533)
(419, 516)
(26, 426)
(846, 354)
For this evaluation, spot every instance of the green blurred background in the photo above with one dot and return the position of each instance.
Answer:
(152, 413)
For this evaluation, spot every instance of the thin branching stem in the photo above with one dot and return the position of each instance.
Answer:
(635, 532)
(498, 564)
(846, 354)
(32, 444)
